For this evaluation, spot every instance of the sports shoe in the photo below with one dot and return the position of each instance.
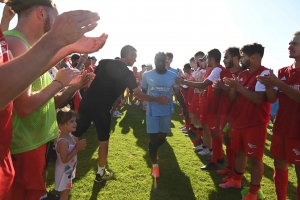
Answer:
(121, 105)
(116, 115)
(231, 183)
(129, 103)
(250, 196)
(155, 171)
(223, 171)
(198, 148)
(107, 175)
(49, 196)
(137, 103)
(209, 166)
(226, 178)
(118, 112)
(205, 151)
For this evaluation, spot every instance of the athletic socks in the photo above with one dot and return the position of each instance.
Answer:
(217, 149)
(101, 170)
(238, 176)
(254, 188)
(230, 157)
(298, 190)
(280, 182)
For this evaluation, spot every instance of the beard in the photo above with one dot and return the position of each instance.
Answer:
(47, 24)
(245, 65)
(230, 64)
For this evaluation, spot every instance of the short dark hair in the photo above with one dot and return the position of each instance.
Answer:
(143, 65)
(199, 53)
(233, 51)
(192, 59)
(75, 57)
(251, 49)
(216, 54)
(160, 54)
(127, 49)
(65, 114)
(187, 66)
(21, 5)
(169, 54)
(117, 58)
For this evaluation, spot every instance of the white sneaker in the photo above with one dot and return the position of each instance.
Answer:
(118, 112)
(205, 151)
(137, 103)
(129, 103)
(116, 115)
(198, 148)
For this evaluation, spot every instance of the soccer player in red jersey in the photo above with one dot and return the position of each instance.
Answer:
(231, 62)
(285, 145)
(210, 107)
(252, 111)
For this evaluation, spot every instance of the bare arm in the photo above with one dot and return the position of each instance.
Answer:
(139, 94)
(15, 78)
(7, 16)
(255, 97)
(199, 85)
(63, 146)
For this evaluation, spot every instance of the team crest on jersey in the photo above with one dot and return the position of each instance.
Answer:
(252, 146)
(296, 151)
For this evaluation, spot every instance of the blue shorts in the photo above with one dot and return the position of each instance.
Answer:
(158, 124)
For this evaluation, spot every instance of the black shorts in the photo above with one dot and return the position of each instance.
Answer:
(101, 118)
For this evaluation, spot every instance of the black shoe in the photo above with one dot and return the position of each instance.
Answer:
(221, 161)
(50, 196)
(209, 166)
(98, 178)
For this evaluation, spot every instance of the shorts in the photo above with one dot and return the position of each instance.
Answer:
(7, 174)
(29, 167)
(285, 148)
(101, 118)
(158, 124)
(213, 123)
(250, 140)
(194, 107)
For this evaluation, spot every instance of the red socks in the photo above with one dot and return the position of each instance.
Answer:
(281, 181)
(230, 157)
(238, 176)
(217, 149)
(254, 188)
(298, 190)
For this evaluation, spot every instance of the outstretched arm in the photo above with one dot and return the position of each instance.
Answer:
(18, 74)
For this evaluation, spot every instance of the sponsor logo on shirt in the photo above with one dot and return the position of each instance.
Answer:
(296, 151)
(252, 146)
(241, 79)
(161, 89)
(250, 152)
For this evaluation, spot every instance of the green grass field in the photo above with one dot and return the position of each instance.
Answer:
(181, 177)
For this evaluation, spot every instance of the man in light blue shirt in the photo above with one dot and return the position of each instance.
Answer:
(158, 82)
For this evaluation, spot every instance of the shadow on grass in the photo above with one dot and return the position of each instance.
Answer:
(171, 177)
(97, 187)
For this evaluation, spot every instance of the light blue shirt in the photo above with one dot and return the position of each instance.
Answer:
(159, 85)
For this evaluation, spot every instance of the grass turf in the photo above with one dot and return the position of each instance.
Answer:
(181, 176)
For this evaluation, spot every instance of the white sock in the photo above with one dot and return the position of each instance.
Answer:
(100, 170)
(154, 165)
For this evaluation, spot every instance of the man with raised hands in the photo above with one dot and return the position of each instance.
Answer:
(252, 113)
(285, 146)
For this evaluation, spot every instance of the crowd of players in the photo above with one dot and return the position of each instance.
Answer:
(230, 104)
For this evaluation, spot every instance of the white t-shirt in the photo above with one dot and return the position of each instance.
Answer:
(215, 74)
(259, 87)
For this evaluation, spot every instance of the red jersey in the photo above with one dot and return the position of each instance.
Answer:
(6, 167)
(287, 122)
(248, 114)
(225, 102)
(213, 100)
